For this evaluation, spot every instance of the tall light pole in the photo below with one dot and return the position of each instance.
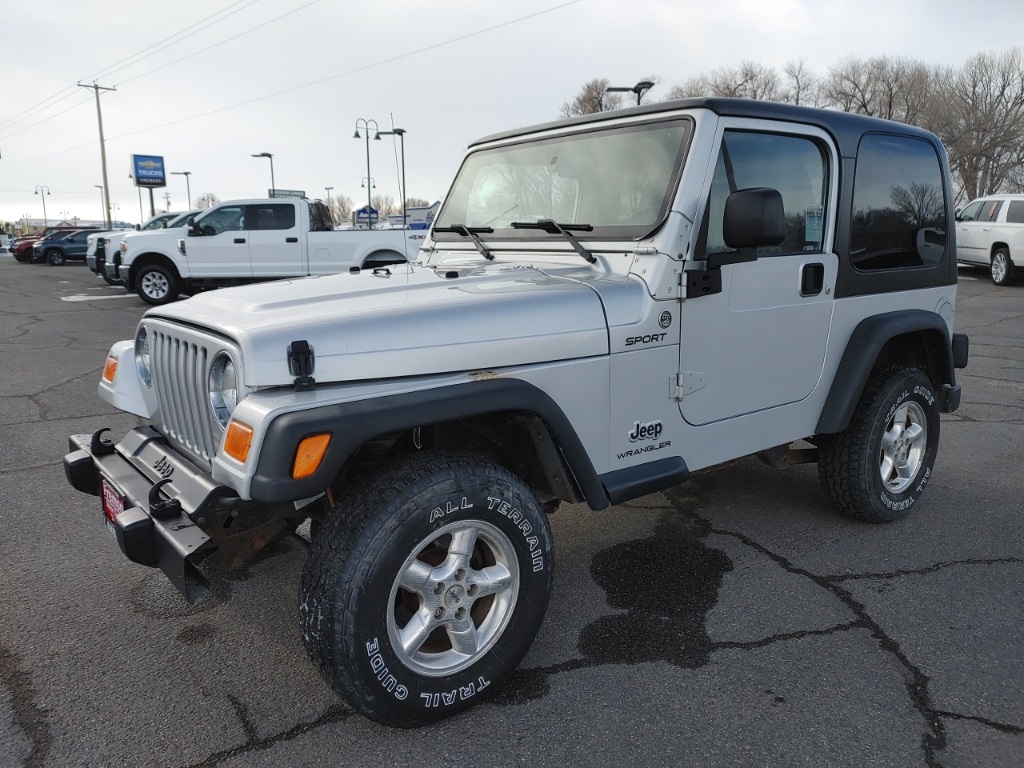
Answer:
(40, 191)
(188, 188)
(103, 147)
(328, 191)
(369, 185)
(400, 133)
(639, 89)
(269, 157)
(100, 188)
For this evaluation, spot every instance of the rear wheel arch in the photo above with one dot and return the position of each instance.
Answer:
(915, 338)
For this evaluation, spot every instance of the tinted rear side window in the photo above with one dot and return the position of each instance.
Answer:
(1015, 212)
(989, 210)
(899, 208)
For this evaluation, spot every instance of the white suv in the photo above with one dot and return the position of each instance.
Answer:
(990, 233)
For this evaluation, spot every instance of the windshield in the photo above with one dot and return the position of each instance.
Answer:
(181, 219)
(158, 221)
(618, 180)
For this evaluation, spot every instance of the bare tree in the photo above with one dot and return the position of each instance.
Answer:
(341, 207)
(749, 80)
(206, 200)
(416, 202)
(891, 88)
(385, 204)
(592, 98)
(981, 122)
(802, 86)
(920, 204)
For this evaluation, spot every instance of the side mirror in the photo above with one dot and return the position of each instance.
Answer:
(753, 217)
(138, 226)
(190, 225)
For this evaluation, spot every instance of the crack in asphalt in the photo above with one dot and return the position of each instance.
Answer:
(917, 683)
(33, 722)
(1013, 730)
(928, 569)
(254, 743)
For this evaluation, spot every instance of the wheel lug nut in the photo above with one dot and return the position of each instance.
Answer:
(439, 613)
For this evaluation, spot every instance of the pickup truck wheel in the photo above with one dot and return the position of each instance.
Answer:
(156, 284)
(1002, 267)
(877, 468)
(424, 588)
(55, 257)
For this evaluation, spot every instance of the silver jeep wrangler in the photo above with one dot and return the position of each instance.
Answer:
(604, 305)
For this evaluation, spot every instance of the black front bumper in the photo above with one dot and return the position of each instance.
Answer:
(152, 530)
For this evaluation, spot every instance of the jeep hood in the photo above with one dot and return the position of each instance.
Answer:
(403, 321)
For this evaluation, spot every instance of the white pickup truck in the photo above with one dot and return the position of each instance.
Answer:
(246, 241)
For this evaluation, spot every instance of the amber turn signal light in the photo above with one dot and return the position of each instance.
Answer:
(110, 368)
(309, 455)
(238, 440)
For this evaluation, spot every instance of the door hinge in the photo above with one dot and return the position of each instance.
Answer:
(686, 383)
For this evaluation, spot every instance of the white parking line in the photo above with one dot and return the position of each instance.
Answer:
(82, 297)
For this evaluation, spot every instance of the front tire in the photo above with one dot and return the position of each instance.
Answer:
(55, 257)
(1002, 267)
(156, 284)
(877, 468)
(424, 589)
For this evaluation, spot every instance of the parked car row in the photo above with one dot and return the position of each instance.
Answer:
(24, 248)
(102, 247)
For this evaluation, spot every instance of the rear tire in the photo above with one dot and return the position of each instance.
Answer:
(424, 588)
(156, 284)
(877, 469)
(1001, 267)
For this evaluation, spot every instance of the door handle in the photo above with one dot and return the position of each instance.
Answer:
(291, 239)
(239, 239)
(812, 279)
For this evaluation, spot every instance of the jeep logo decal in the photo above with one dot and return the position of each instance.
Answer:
(164, 467)
(649, 431)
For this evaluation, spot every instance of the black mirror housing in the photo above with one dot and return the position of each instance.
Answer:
(754, 217)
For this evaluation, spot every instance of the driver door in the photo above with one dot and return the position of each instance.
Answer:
(222, 250)
(761, 341)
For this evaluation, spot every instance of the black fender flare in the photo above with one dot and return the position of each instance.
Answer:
(863, 351)
(353, 423)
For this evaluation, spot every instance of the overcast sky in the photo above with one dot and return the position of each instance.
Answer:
(207, 83)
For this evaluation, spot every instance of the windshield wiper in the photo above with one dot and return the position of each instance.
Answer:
(471, 232)
(552, 227)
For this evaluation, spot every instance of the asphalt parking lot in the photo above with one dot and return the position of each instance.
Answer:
(736, 620)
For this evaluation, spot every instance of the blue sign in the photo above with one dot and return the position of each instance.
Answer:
(148, 171)
(361, 214)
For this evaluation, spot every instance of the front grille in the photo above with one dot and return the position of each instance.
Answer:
(180, 375)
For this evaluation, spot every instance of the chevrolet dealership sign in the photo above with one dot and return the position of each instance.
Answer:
(148, 171)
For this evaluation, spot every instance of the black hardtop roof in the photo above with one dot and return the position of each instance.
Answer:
(845, 127)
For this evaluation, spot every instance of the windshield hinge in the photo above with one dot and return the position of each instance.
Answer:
(686, 383)
(301, 363)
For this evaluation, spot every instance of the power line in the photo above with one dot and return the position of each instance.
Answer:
(320, 81)
(176, 61)
(226, 40)
(144, 53)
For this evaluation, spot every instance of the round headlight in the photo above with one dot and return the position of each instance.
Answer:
(142, 360)
(223, 388)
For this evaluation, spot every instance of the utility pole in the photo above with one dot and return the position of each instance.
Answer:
(103, 146)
